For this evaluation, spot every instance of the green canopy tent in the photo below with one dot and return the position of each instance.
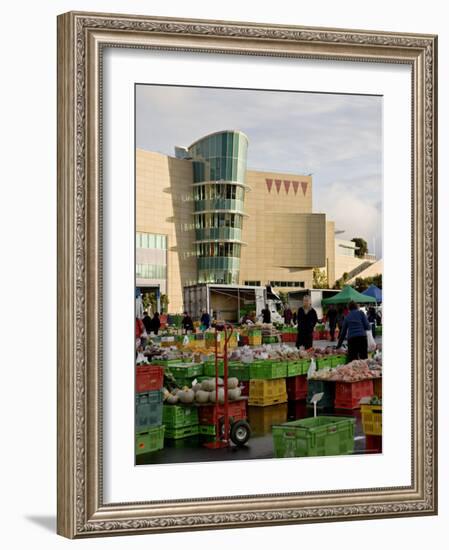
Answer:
(348, 294)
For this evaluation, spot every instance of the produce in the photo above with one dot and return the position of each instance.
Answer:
(186, 396)
(172, 399)
(359, 369)
(233, 383)
(202, 396)
(235, 393)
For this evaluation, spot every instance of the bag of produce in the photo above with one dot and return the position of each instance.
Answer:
(371, 341)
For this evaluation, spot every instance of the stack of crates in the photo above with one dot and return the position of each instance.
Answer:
(321, 386)
(267, 392)
(349, 394)
(288, 334)
(255, 337)
(262, 419)
(184, 373)
(180, 421)
(297, 388)
(209, 414)
(148, 414)
(298, 367)
(268, 370)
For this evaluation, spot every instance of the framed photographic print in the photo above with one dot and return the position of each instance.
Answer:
(246, 274)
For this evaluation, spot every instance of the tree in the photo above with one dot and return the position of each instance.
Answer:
(319, 278)
(362, 283)
(362, 246)
(284, 297)
(340, 283)
(164, 303)
(149, 301)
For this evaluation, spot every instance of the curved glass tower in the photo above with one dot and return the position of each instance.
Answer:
(219, 168)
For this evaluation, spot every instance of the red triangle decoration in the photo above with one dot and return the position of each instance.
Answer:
(269, 185)
(287, 185)
(278, 185)
(304, 187)
(295, 186)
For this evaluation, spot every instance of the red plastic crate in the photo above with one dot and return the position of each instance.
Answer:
(245, 387)
(208, 413)
(245, 340)
(373, 443)
(149, 378)
(348, 394)
(297, 387)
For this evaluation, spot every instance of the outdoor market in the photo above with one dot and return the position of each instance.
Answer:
(208, 389)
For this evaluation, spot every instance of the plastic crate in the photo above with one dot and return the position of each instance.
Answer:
(267, 370)
(148, 410)
(373, 443)
(239, 370)
(185, 370)
(296, 368)
(244, 385)
(348, 394)
(208, 414)
(209, 368)
(337, 360)
(262, 419)
(377, 387)
(263, 393)
(321, 386)
(320, 436)
(149, 377)
(207, 429)
(297, 387)
(371, 419)
(181, 433)
(149, 441)
(324, 362)
(178, 416)
(165, 362)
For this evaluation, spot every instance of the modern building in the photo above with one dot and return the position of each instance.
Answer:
(203, 217)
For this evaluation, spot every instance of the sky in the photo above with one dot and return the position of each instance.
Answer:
(337, 138)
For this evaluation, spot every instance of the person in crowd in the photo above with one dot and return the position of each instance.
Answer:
(155, 323)
(146, 320)
(354, 329)
(205, 320)
(372, 319)
(140, 327)
(266, 315)
(340, 318)
(288, 315)
(332, 315)
(295, 318)
(307, 319)
(187, 323)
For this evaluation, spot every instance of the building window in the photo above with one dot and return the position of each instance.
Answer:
(252, 283)
(151, 271)
(299, 284)
(151, 241)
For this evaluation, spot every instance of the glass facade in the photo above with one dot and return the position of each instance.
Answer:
(151, 241)
(150, 271)
(219, 171)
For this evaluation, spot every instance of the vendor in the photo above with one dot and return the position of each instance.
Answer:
(266, 315)
(307, 319)
(187, 323)
(354, 328)
(155, 323)
(205, 320)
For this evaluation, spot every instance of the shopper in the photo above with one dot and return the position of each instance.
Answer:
(155, 323)
(288, 315)
(354, 328)
(307, 319)
(266, 315)
(340, 318)
(332, 315)
(372, 317)
(295, 318)
(147, 322)
(205, 320)
(187, 323)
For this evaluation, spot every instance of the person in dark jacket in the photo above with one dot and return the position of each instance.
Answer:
(307, 319)
(266, 315)
(187, 323)
(155, 323)
(288, 315)
(147, 322)
(354, 329)
(332, 315)
(205, 320)
(372, 320)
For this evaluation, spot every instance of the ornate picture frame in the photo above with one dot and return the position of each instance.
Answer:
(82, 38)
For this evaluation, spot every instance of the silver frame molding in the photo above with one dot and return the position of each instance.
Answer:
(81, 39)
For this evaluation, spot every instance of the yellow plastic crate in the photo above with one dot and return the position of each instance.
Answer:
(267, 392)
(372, 419)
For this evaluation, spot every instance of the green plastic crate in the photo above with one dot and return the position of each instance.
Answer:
(149, 441)
(178, 416)
(165, 362)
(207, 429)
(180, 433)
(239, 370)
(320, 436)
(185, 370)
(338, 360)
(267, 370)
(209, 368)
(296, 368)
(324, 362)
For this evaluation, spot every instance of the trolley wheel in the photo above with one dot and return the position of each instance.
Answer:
(240, 433)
